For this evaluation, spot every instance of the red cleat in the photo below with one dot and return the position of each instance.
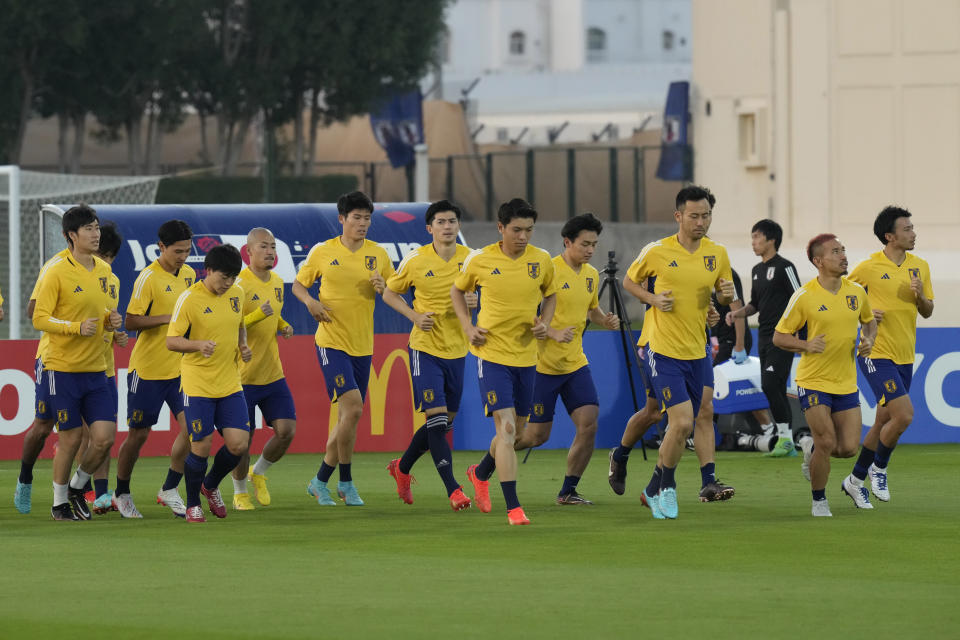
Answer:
(458, 500)
(517, 516)
(403, 481)
(481, 489)
(90, 496)
(195, 514)
(215, 502)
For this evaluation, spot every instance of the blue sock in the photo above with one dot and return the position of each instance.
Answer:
(667, 480)
(486, 467)
(436, 429)
(819, 494)
(569, 485)
(418, 446)
(708, 474)
(653, 488)
(194, 468)
(863, 463)
(345, 473)
(882, 459)
(510, 494)
(622, 453)
(26, 473)
(173, 480)
(123, 486)
(323, 475)
(223, 463)
(100, 487)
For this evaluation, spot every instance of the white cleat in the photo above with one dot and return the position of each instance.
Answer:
(878, 482)
(124, 504)
(821, 508)
(857, 492)
(171, 498)
(805, 465)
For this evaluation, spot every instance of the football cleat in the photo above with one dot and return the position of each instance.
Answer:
(481, 489)
(783, 448)
(652, 503)
(78, 503)
(124, 504)
(321, 492)
(195, 514)
(348, 493)
(214, 501)
(242, 502)
(22, 498)
(878, 482)
(458, 500)
(103, 504)
(403, 481)
(171, 498)
(668, 502)
(821, 508)
(716, 490)
(857, 492)
(260, 491)
(617, 475)
(517, 516)
(572, 498)
(63, 512)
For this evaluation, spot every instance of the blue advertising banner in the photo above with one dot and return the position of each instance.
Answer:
(675, 161)
(398, 127)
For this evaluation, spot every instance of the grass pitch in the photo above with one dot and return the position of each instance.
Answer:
(758, 565)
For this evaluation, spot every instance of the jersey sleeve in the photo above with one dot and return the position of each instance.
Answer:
(754, 302)
(858, 274)
(386, 265)
(310, 269)
(180, 318)
(43, 320)
(793, 280)
(142, 295)
(725, 271)
(927, 285)
(866, 312)
(549, 285)
(737, 285)
(595, 300)
(642, 267)
(402, 278)
(467, 279)
(794, 316)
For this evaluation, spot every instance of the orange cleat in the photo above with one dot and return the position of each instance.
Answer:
(481, 489)
(403, 481)
(458, 500)
(517, 516)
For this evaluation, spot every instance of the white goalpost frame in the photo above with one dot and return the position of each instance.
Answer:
(12, 174)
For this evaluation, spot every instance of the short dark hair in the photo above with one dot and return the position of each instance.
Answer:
(516, 208)
(583, 222)
(886, 222)
(173, 231)
(110, 239)
(694, 193)
(354, 200)
(770, 230)
(816, 242)
(440, 206)
(224, 258)
(76, 217)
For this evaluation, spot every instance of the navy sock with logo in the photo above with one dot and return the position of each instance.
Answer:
(486, 467)
(621, 454)
(223, 463)
(100, 486)
(436, 428)
(882, 458)
(509, 489)
(667, 480)
(323, 475)
(864, 460)
(708, 474)
(172, 481)
(346, 474)
(653, 487)
(194, 468)
(418, 446)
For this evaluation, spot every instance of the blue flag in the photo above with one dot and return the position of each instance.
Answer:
(675, 158)
(398, 126)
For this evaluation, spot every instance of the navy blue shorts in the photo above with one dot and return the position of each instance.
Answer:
(505, 387)
(343, 372)
(437, 382)
(576, 389)
(888, 379)
(645, 373)
(145, 398)
(41, 392)
(114, 394)
(274, 400)
(836, 401)
(206, 414)
(80, 397)
(708, 369)
(677, 381)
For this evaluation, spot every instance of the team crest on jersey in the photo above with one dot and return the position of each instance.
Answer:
(914, 273)
(538, 409)
(340, 380)
(533, 269)
(589, 285)
(853, 303)
(62, 416)
(813, 400)
(890, 386)
(370, 262)
(279, 293)
(188, 281)
(770, 272)
(235, 304)
(428, 395)
(491, 398)
(196, 425)
(113, 291)
(103, 285)
(710, 262)
(667, 395)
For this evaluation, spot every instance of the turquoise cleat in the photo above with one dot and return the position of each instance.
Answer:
(668, 503)
(321, 492)
(348, 493)
(652, 503)
(22, 497)
(103, 504)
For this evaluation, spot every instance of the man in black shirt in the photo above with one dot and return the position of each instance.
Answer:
(733, 340)
(773, 282)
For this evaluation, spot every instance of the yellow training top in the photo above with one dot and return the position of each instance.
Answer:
(44, 339)
(888, 289)
(113, 292)
(265, 366)
(155, 292)
(202, 315)
(815, 311)
(510, 292)
(346, 290)
(431, 278)
(576, 296)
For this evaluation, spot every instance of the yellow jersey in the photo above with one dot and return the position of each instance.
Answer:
(202, 315)
(692, 278)
(814, 311)
(888, 289)
(431, 278)
(264, 367)
(113, 292)
(510, 292)
(576, 296)
(68, 295)
(345, 289)
(44, 339)
(155, 292)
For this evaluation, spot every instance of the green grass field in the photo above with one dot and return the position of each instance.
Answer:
(758, 565)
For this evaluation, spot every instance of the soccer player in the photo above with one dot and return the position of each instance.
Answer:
(733, 340)
(264, 384)
(352, 272)
(154, 371)
(687, 267)
(898, 288)
(73, 306)
(515, 278)
(562, 368)
(773, 281)
(207, 326)
(820, 323)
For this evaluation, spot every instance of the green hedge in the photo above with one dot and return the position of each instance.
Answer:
(236, 190)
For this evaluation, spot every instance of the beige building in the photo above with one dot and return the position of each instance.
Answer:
(818, 113)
